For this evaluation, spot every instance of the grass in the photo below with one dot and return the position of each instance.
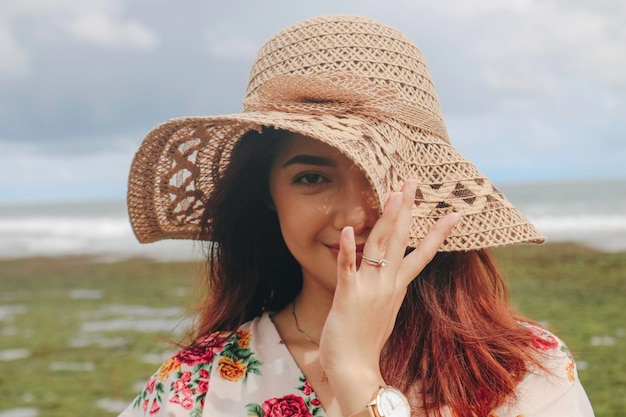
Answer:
(47, 306)
(580, 293)
(53, 318)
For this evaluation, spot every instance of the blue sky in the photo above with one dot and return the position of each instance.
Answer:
(530, 89)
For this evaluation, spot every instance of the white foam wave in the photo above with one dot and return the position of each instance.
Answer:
(66, 226)
(111, 236)
(580, 223)
(606, 232)
(58, 236)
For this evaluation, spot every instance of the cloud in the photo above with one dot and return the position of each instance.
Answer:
(542, 44)
(100, 29)
(233, 48)
(531, 88)
(98, 22)
(534, 82)
(31, 174)
(15, 62)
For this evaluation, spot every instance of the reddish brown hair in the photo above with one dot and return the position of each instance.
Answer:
(458, 337)
(455, 334)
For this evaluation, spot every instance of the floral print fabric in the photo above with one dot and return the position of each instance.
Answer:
(251, 373)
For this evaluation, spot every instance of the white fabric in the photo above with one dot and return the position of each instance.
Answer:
(253, 373)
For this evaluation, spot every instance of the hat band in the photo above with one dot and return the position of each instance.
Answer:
(340, 94)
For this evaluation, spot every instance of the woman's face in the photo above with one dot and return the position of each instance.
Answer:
(317, 191)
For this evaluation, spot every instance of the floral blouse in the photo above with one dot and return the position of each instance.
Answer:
(252, 373)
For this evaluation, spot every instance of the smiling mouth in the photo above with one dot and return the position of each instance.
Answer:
(359, 252)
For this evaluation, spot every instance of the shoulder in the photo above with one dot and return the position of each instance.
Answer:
(553, 354)
(551, 386)
(180, 385)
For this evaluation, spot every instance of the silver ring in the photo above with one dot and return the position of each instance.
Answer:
(375, 262)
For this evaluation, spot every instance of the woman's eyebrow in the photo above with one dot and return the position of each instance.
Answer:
(311, 160)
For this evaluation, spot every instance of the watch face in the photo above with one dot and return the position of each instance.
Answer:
(392, 403)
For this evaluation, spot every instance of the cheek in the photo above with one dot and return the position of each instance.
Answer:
(300, 219)
(292, 215)
(301, 209)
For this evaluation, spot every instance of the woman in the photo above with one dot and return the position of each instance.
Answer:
(348, 274)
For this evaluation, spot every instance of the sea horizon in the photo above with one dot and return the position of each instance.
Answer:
(590, 212)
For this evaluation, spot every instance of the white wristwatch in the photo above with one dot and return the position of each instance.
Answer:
(388, 402)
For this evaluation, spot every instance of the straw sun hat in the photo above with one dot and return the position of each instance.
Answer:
(355, 84)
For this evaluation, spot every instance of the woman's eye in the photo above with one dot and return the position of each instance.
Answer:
(310, 178)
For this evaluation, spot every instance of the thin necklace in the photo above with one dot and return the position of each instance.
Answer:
(306, 336)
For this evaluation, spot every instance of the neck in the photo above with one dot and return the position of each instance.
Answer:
(311, 307)
(298, 328)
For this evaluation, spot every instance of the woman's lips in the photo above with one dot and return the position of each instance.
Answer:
(334, 249)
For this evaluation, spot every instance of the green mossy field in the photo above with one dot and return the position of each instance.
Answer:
(80, 337)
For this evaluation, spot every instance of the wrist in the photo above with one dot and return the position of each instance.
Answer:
(387, 402)
(354, 389)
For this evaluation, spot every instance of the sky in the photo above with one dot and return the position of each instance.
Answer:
(531, 90)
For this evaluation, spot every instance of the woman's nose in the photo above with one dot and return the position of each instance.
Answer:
(356, 207)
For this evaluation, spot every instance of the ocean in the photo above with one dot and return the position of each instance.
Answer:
(589, 212)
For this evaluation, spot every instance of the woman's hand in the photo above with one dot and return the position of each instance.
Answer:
(367, 299)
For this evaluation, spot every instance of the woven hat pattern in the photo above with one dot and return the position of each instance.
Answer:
(355, 84)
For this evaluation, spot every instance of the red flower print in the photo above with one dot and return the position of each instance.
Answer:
(195, 355)
(187, 403)
(316, 402)
(182, 383)
(545, 342)
(178, 385)
(204, 374)
(203, 352)
(155, 408)
(307, 389)
(145, 405)
(203, 386)
(186, 392)
(287, 406)
(150, 385)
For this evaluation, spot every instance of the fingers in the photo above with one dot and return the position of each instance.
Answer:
(346, 260)
(403, 223)
(382, 233)
(389, 236)
(417, 260)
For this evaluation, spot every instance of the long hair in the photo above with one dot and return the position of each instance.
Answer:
(458, 338)
(459, 343)
(250, 268)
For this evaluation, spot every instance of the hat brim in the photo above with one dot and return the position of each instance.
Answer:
(174, 170)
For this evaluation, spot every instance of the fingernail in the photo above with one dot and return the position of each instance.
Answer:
(348, 234)
(456, 218)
